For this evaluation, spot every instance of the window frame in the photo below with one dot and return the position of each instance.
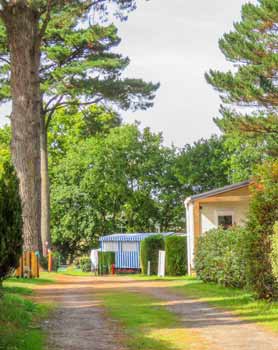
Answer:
(224, 212)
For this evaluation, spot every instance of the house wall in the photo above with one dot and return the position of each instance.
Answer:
(209, 213)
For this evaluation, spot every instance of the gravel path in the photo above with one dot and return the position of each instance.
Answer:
(80, 322)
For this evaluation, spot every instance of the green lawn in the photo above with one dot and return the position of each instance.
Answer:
(147, 324)
(20, 317)
(239, 301)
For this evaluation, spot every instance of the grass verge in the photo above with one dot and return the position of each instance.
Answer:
(20, 317)
(241, 302)
(147, 324)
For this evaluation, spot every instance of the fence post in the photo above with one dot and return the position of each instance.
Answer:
(149, 268)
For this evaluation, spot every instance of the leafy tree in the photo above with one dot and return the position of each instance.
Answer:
(10, 221)
(111, 184)
(202, 166)
(56, 61)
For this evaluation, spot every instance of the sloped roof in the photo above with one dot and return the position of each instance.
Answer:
(131, 236)
(219, 190)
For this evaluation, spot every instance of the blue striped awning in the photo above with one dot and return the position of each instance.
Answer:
(130, 237)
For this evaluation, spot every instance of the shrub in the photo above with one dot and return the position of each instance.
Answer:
(176, 255)
(149, 252)
(221, 257)
(274, 252)
(105, 260)
(10, 222)
(262, 217)
(85, 263)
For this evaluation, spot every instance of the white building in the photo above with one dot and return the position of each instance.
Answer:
(224, 206)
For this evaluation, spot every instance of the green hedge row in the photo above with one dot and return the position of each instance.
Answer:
(149, 252)
(105, 260)
(176, 255)
(175, 249)
(221, 257)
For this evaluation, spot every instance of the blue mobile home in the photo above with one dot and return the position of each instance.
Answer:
(126, 247)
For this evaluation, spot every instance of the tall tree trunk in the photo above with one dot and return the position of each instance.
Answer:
(45, 191)
(23, 31)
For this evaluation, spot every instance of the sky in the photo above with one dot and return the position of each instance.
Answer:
(175, 42)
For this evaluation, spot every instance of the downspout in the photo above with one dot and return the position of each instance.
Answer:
(186, 204)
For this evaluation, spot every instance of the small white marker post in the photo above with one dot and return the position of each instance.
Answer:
(149, 268)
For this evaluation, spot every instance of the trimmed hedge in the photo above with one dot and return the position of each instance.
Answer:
(105, 260)
(176, 255)
(149, 252)
(221, 257)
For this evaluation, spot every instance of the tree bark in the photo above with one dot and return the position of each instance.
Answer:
(22, 25)
(45, 191)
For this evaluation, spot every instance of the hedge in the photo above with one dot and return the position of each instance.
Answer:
(105, 260)
(176, 255)
(10, 222)
(274, 252)
(221, 257)
(263, 213)
(149, 252)
(85, 263)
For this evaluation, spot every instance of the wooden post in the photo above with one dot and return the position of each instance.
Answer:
(34, 265)
(49, 261)
(19, 270)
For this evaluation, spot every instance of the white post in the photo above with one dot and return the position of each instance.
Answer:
(161, 263)
(149, 268)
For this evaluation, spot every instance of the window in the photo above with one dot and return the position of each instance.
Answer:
(110, 246)
(225, 219)
(129, 246)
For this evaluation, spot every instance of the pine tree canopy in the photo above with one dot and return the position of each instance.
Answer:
(249, 91)
(78, 66)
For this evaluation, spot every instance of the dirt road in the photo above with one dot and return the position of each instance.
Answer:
(81, 323)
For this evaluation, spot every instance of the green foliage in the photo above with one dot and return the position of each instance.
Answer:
(10, 221)
(149, 252)
(20, 318)
(221, 257)
(122, 182)
(274, 252)
(105, 261)
(202, 166)
(251, 47)
(85, 263)
(176, 256)
(78, 64)
(262, 217)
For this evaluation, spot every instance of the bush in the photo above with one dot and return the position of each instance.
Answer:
(149, 252)
(85, 263)
(221, 257)
(176, 255)
(262, 216)
(105, 260)
(10, 222)
(274, 252)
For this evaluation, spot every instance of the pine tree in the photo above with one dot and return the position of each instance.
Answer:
(54, 59)
(253, 83)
